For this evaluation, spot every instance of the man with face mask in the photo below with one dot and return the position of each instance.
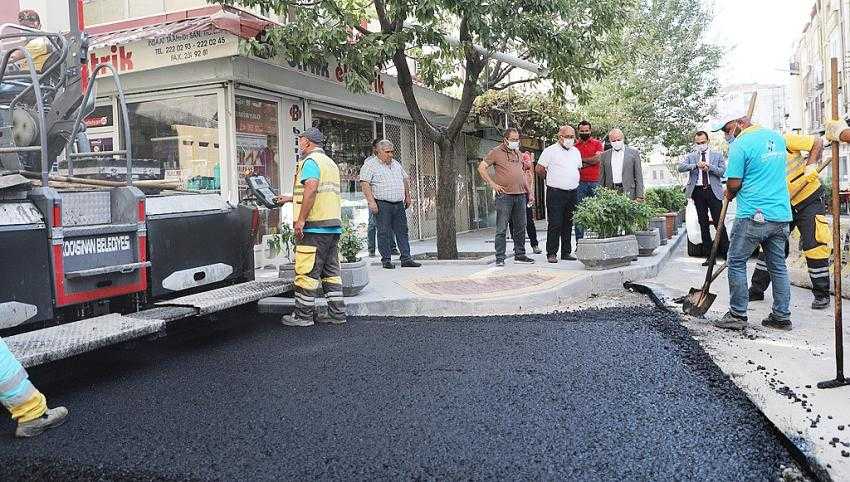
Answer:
(591, 150)
(512, 191)
(756, 178)
(706, 168)
(559, 164)
(621, 168)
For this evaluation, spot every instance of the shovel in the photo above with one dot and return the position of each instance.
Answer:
(699, 301)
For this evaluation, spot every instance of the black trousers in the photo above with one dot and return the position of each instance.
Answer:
(706, 202)
(530, 228)
(560, 207)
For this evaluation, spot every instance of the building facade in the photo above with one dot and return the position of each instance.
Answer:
(825, 36)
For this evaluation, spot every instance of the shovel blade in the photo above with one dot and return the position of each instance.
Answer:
(698, 302)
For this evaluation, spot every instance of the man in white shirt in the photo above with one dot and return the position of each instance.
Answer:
(621, 168)
(559, 164)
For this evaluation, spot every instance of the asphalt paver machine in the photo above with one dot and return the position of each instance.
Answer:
(70, 251)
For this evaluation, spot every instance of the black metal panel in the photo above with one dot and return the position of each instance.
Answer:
(192, 248)
(25, 272)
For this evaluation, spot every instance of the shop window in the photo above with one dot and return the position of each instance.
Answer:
(349, 143)
(179, 136)
(257, 141)
(257, 152)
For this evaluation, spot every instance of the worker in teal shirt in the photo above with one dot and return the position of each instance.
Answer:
(756, 178)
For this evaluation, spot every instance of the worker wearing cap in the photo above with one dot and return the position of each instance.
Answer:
(809, 218)
(756, 177)
(318, 225)
(26, 404)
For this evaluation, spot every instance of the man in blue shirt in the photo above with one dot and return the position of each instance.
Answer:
(756, 177)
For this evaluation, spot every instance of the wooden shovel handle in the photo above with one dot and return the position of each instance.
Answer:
(721, 223)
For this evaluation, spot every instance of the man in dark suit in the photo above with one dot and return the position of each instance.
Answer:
(621, 168)
(706, 168)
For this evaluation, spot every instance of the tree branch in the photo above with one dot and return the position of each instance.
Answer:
(514, 82)
(474, 66)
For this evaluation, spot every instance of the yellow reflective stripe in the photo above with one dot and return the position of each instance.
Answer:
(334, 280)
(31, 409)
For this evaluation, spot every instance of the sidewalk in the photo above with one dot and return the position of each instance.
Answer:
(466, 290)
(779, 370)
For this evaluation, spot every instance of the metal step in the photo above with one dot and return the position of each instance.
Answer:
(63, 341)
(231, 296)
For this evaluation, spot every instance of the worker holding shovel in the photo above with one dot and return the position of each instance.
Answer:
(756, 177)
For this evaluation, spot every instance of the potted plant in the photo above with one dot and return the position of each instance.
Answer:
(670, 201)
(608, 219)
(648, 237)
(355, 273)
(277, 247)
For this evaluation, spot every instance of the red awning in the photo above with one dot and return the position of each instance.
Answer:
(235, 21)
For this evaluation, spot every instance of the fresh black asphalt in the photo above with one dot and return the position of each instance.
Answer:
(614, 394)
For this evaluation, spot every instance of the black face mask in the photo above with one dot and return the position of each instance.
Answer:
(584, 137)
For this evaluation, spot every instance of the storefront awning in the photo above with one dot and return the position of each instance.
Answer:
(236, 22)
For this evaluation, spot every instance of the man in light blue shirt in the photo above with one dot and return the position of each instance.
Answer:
(756, 177)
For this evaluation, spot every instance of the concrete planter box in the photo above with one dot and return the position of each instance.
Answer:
(605, 253)
(355, 276)
(660, 225)
(648, 242)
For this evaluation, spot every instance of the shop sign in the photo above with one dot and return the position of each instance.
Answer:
(165, 51)
(335, 72)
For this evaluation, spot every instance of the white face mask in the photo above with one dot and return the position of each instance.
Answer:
(701, 147)
(569, 143)
(513, 145)
(617, 145)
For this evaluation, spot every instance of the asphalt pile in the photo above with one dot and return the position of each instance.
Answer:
(606, 394)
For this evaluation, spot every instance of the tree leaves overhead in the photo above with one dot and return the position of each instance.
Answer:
(665, 84)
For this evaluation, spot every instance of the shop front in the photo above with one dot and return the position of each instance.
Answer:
(203, 115)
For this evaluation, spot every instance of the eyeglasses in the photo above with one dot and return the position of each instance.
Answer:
(390, 151)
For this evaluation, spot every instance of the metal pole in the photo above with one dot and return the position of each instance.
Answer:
(839, 380)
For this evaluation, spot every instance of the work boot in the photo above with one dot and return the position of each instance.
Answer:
(53, 417)
(821, 303)
(731, 321)
(536, 250)
(410, 264)
(326, 318)
(772, 321)
(500, 263)
(756, 295)
(552, 259)
(568, 257)
(523, 259)
(292, 320)
(388, 265)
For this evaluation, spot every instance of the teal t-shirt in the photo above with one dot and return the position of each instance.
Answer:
(757, 157)
(310, 170)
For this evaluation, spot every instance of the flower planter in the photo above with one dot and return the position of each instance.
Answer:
(258, 256)
(355, 276)
(672, 227)
(648, 242)
(606, 253)
(659, 224)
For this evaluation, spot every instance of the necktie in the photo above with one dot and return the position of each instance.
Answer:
(704, 174)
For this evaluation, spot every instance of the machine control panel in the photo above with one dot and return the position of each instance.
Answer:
(261, 189)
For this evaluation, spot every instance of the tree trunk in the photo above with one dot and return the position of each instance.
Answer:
(446, 201)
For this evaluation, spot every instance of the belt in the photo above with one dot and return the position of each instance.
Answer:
(388, 202)
(559, 189)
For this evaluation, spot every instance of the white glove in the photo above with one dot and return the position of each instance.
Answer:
(811, 169)
(834, 128)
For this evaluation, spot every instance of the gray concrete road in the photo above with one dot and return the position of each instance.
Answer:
(613, 394)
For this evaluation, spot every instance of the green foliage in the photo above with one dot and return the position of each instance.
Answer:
(663, 88)
(537, 115)
(350, 244)
(643, 214)
(275, 245)
(607, 214)
(666, 199)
